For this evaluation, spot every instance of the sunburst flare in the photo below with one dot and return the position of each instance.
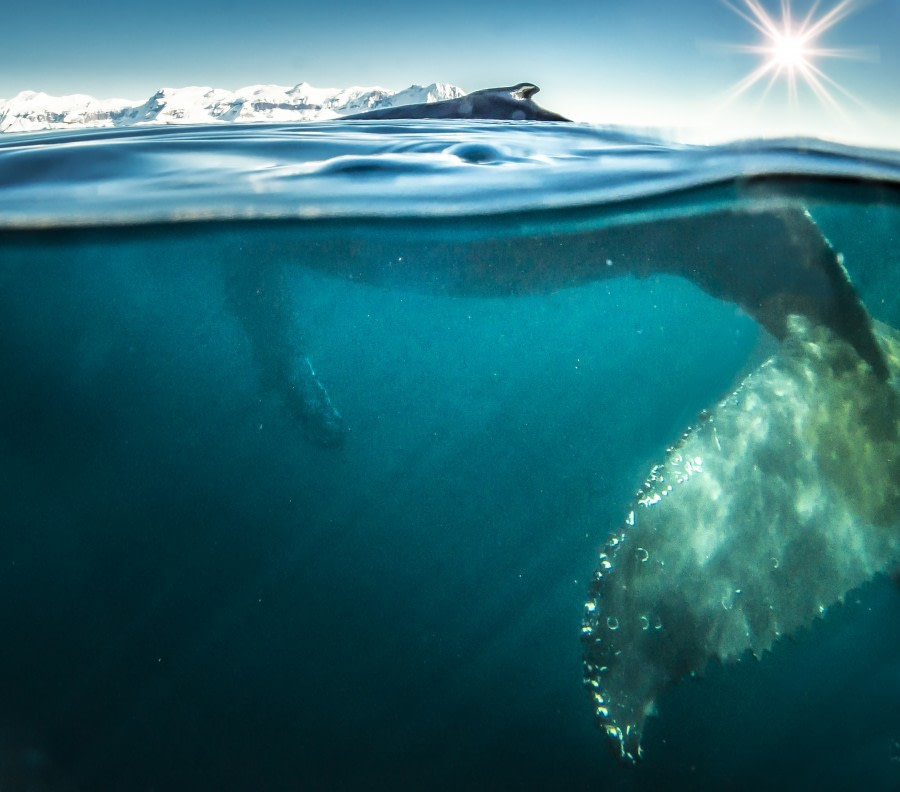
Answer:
(790, 50)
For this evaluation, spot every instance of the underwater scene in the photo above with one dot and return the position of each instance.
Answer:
(447, 454)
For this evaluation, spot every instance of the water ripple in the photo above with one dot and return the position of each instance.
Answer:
(368, 169)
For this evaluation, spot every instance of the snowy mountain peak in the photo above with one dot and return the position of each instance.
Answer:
(30, 111)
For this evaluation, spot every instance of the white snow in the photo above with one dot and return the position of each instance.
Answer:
(31, 111)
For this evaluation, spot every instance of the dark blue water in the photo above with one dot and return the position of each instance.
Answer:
(198, 593)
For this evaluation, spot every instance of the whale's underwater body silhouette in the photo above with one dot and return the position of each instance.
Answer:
(799, 469)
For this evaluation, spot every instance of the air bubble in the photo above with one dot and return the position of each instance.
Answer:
(612, 622)
(642, 554)
(645, 623)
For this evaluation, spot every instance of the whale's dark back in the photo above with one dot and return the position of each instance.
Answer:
(512, 103)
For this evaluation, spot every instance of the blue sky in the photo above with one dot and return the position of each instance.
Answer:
(606, 61)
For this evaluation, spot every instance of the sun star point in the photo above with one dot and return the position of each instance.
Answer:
(789, 50)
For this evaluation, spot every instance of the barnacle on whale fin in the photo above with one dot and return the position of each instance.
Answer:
(783, 500)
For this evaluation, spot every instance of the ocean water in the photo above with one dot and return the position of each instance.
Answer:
(309, 437)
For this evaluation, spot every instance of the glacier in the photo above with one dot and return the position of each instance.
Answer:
(33, 111)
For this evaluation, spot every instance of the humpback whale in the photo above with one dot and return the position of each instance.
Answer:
(512, 103)
(782, 499)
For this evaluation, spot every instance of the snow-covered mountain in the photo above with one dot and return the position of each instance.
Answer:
(30, 111)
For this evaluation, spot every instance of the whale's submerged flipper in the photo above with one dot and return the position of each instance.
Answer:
(258, 297)
(785, 497)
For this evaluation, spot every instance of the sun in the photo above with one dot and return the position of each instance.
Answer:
(790, 50)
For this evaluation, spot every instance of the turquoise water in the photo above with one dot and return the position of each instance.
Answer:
(277, 519)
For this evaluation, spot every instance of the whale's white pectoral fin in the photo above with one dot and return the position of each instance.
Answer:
(785, 497)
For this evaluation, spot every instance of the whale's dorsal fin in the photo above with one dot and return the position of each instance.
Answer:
(521, 91)
(525, 91)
